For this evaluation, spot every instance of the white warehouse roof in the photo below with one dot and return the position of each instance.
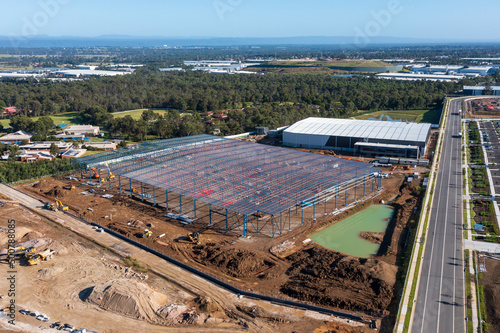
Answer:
(370, 129)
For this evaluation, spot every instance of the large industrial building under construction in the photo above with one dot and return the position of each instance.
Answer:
(366, 137)
(236, 184)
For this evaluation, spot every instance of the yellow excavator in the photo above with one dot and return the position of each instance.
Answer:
(194, 237)
(61, 206)
(16, 252)
(35, 259)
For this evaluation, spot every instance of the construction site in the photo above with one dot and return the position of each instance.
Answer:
(239, 212)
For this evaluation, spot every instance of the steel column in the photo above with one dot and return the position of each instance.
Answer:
(142, 192)
(130, 182)
(194, 208)
(154, 196)
(281, 223)
(180, 202)
(289, 219)
(210, 212)
(166, 200)
(119, 184)
(227, 223)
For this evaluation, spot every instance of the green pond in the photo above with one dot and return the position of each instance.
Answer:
(344, 236)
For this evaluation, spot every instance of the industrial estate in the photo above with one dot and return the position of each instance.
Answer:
(146, 190)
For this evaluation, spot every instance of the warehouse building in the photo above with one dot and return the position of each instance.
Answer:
(365, 137)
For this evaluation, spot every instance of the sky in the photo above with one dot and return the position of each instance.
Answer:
(433, 19)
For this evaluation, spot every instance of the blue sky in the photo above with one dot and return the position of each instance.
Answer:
(458, 19)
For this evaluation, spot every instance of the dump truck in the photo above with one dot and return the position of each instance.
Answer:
(45, 255)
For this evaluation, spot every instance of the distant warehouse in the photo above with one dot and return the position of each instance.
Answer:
(366, 137)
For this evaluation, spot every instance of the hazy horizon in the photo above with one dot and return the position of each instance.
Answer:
(363, 19)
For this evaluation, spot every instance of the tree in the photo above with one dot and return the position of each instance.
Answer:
(21, 123)
(149, 116)
(14, 152)
(54, 149)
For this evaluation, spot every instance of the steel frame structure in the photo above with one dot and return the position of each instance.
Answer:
(246, 179)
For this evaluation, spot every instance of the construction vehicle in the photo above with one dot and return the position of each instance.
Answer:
(61, 206)
(50, 206)
(16, 252)
(147, 233)
(45, 255)
(194, 237)
(110, 174)
(94, 173)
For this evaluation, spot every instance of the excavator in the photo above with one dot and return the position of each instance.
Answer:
(35, 259)
(61, 206)
(194, 237)
(15, 252)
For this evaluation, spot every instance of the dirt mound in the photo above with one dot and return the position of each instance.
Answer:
(127, 297)
(175, 313)
(336, 280)
(231, 261)
(56, 191)
(30, 236)
(19, 231)
(136, 224)
(373, 237)
(38, 243)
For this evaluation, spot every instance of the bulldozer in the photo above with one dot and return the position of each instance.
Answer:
(194, 237)
(35, 259)
(61, 206)
(147, 233)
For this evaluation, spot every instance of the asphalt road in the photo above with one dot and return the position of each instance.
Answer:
(440, 303)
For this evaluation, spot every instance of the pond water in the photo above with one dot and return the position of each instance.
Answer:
(344, 236)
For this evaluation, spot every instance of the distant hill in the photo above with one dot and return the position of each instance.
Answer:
(135, 41)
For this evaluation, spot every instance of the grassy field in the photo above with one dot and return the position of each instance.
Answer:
(71, 118)
(136, 114)
(418, 116)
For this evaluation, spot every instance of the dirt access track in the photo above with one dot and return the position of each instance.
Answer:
(307, 273)
(87, 284)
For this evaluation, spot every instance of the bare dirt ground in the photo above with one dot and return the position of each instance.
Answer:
(87, 285)
(483, 107)
(305, 272)
(491, 283)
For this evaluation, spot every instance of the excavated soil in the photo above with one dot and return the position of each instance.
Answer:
(333, 279)
(231, 261)
(127, 297)
(56, 192)
(374, 237)
(306, 272)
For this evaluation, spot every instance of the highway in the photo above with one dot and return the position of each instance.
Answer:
(440, 303)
